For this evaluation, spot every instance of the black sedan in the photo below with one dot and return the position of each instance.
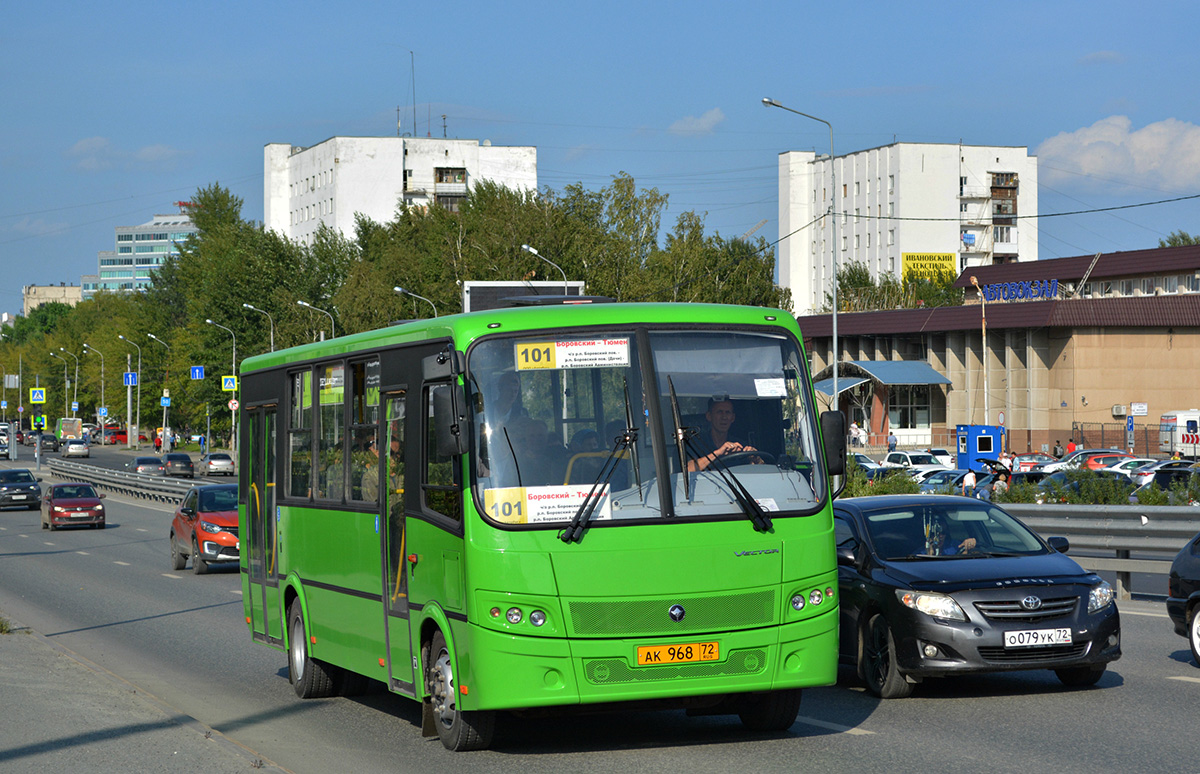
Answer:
(178, 464)
(1183, 595)
(935, 586)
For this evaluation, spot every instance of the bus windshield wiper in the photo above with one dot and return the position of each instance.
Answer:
(758, 517)
(574, 530)
(682, 435)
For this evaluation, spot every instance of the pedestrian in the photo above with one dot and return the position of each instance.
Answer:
(1071, 445)
(968, 483)
(891, 441)
(1058, 449)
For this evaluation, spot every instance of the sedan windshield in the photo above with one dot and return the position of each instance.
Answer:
(557, 415)
(950, 528)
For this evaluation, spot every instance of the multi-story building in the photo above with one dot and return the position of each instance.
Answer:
(900, 208)
(333, 181)
(33, 296)
(140, 251)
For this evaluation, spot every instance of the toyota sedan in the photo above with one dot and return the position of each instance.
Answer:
(72, 505)
(1183, 595)
(935, 586)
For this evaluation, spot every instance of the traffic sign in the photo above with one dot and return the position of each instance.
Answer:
(131, 379)
(165, 402)
(1129, 424)
(74, 405)
(102, 411)
(233, 404)
(1002, 419)
(3, 404)
(37, 394)
(229, 383)
(20, 409)
(197, 372)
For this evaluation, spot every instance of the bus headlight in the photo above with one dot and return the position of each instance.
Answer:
(514, 615)
(537, 618)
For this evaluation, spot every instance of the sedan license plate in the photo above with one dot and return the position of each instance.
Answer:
(655, 655)
(19, 497)
(1032, 638)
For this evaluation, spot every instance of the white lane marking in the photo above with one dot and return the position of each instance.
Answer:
(833, 726)
(123, 564)
(83, 553)
(47, 543)
(139, 529)
(236, 591)
(169, 575)
(1186, 679)
(1148, 615)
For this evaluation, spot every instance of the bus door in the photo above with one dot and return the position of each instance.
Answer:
(395, 550)
(259, 537)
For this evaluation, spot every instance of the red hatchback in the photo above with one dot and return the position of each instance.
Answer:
(205, 528)
(70, 505)
(1104, 459)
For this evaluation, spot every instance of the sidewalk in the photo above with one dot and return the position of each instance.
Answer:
(60, 712)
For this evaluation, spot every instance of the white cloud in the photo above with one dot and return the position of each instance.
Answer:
(1101, 57)
(36, 226)
(96, 154)
(1163, 155)
(705, 124)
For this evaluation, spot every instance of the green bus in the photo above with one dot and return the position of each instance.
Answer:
(546, 506)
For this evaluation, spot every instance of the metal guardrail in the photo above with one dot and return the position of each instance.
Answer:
(135, 485)
(1121, 529)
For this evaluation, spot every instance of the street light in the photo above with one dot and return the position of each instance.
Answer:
(75, 389)
(138, 430)
(104, 423)
(983, 345)
(233, 412)
(404, 292)
(65, 364)
(269, 317)
(166, 377)
(531, 251)
(768, 102)
(305, 304)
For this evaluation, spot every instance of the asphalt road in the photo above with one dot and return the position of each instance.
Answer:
(110, 596)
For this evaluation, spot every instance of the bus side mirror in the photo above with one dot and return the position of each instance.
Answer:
(833, 430)
(447, 425)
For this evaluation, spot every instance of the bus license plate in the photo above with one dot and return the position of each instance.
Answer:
(654, 655)
(1028, 638)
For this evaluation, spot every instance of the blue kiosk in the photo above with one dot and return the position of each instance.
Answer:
(978, 442)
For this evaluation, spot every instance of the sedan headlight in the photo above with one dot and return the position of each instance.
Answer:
(209, 527)
(1100, 597)
(931, 603)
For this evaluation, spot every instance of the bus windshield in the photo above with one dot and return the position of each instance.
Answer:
(710, 414)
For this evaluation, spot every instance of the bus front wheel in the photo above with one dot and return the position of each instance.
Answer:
(458, 729)
(768, 712)
(310, 677)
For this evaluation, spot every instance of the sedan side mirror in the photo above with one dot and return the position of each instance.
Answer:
(1059, 544)
(846, 554)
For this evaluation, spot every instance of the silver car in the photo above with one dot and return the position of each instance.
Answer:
(215, 464)
(74, 447)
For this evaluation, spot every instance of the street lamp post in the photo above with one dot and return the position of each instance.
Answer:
(269, 318)
(983, 347)
(104, 423)
(138, 430)
(404, 292)
(65, 382)
(531, 251)
(166, 376)
(75, 389)
(768, 102)
(306, 305)
(233, 412)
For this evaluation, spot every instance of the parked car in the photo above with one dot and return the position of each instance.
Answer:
(943, 456)
(1057, 486)
(1145, 474)
(205, 528)
(1030, 460)
(919, 460)
(114, 436)
(944, 481)
(74, 447)
(1183, 595)
(1130, 466)
(178, 464)
(1005, 599)
(69, 505)
(1168, 480)
(220, 464)
(148, 465)
(1074, 459)
(1104, 460)
(19, 487)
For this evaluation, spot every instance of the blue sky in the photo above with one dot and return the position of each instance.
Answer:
(110, 113)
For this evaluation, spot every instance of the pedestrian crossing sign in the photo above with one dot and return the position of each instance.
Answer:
(37, 394)
(229, 383)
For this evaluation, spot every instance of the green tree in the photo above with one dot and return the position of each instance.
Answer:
(1179, 239)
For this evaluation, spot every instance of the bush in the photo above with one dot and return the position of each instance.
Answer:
(858, 485)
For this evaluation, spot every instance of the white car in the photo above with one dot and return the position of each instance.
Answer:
(943, 456)
(74, 447)
(1130, 467)
(864, 462)
(913, 461)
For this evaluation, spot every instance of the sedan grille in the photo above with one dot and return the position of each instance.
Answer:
(1012, 610)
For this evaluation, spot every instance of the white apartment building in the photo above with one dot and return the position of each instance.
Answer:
(955, 205)
(140, 251)
(332, 181)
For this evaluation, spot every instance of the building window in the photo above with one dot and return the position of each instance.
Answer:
(891, 183)
(1127, 287)
(891, 234)
(1170, 284)
(1003, 234)
(856, 241)
(1193, 283)
(856, 190)
(908, 407)
(450, 175)
(962, 207)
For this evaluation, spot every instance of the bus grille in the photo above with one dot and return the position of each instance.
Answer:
(714, 613)
(610, 671)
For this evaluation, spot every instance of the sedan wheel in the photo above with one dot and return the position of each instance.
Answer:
(178, 560)
(877, 651)
(199, 566)
(1194, 635)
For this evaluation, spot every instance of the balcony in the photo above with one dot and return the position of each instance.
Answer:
(1005, 240)
(450, 189)
(974, 192)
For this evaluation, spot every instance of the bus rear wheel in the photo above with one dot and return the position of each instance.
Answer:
(310, 677)
(459, 730)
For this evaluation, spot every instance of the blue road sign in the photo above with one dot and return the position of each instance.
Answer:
(229, 383)
(74, 405)
(166, 402)
(102, 411)
(197, 372)
(131, 379)
(3, 404)
(1129, 424)
(37, 395)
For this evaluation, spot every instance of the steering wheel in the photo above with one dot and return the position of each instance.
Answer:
(744, 458)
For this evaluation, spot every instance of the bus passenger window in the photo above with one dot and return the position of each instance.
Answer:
(440, 479)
